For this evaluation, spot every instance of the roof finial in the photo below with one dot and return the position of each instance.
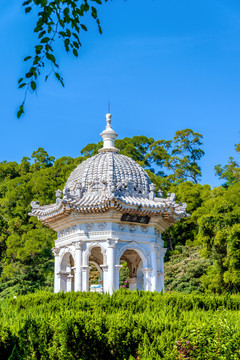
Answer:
(108, 135)
(108, 119)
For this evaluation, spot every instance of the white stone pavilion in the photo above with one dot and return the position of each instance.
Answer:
(109, 212)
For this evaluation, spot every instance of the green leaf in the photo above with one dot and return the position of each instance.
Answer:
(75, 44)
(45, 40)
(20, 111)
(36, 60)
(20, 80)
(27, 58)
(38, 48)
(75, 52)
(29, 75)
(51, 57)
(83, 27)
(28, 9)
(27, 2)
(66, 44)
(33, 85)
(22, 85)
(57, 76)
(41, 34)
(94, 12)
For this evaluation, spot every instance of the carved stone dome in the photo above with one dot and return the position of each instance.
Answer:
(108, 168)
(108, 172)
(106, 181)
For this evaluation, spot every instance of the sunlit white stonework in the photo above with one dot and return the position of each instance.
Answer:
(109, 212)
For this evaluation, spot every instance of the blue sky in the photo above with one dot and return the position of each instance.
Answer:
(164, 65)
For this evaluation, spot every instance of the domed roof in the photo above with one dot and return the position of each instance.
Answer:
(109, 170)
(106, 169)
(106, 181)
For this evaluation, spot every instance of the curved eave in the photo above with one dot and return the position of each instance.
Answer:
(51, 213)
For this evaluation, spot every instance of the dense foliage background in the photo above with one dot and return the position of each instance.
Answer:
(203, 249)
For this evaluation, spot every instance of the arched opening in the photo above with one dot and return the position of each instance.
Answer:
(67, 273)
(95, 273)
(133, 261)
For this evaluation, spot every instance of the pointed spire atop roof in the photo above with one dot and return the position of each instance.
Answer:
(109, 136)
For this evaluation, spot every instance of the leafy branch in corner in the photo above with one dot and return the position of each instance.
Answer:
(57, 19)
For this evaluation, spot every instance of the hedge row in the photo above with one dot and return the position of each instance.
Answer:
(128, 325)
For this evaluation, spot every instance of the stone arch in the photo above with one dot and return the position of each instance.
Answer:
(64, 251)
(67, 262)
(89, 249)
(66, 273)
(137, 259)
(141, 252)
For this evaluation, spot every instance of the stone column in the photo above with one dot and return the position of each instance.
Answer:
(161, 272)
(132, 284)
(111, 264)
(105, 278)
(139, 283)
(147, 278)
(117, 270)
(78, 266)
(56, 252)
(69, 283)
(85, 277)
(154, 268)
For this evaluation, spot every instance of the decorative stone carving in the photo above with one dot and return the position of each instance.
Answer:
(78, 245)
(171, 197)
(152, 191)
(144, 229)
(35, 205)
(58, 196)
(157, 232)
(132, 227)
(55, 251)
(102, 226)
(121, 227)
(89, 226)
(79, 190)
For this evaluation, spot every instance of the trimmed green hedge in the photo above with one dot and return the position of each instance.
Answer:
(128, 325)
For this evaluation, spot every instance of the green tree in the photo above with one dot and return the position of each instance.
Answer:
(180, 157)
(230, 172)
(219, 234)
(26, 261)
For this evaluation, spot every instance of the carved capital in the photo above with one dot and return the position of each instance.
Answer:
(86, 268)
(104, 267)
(146, 270)
(112, 242)
(78, 245)
(118, 267)
(163, 251)
(55, 251)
